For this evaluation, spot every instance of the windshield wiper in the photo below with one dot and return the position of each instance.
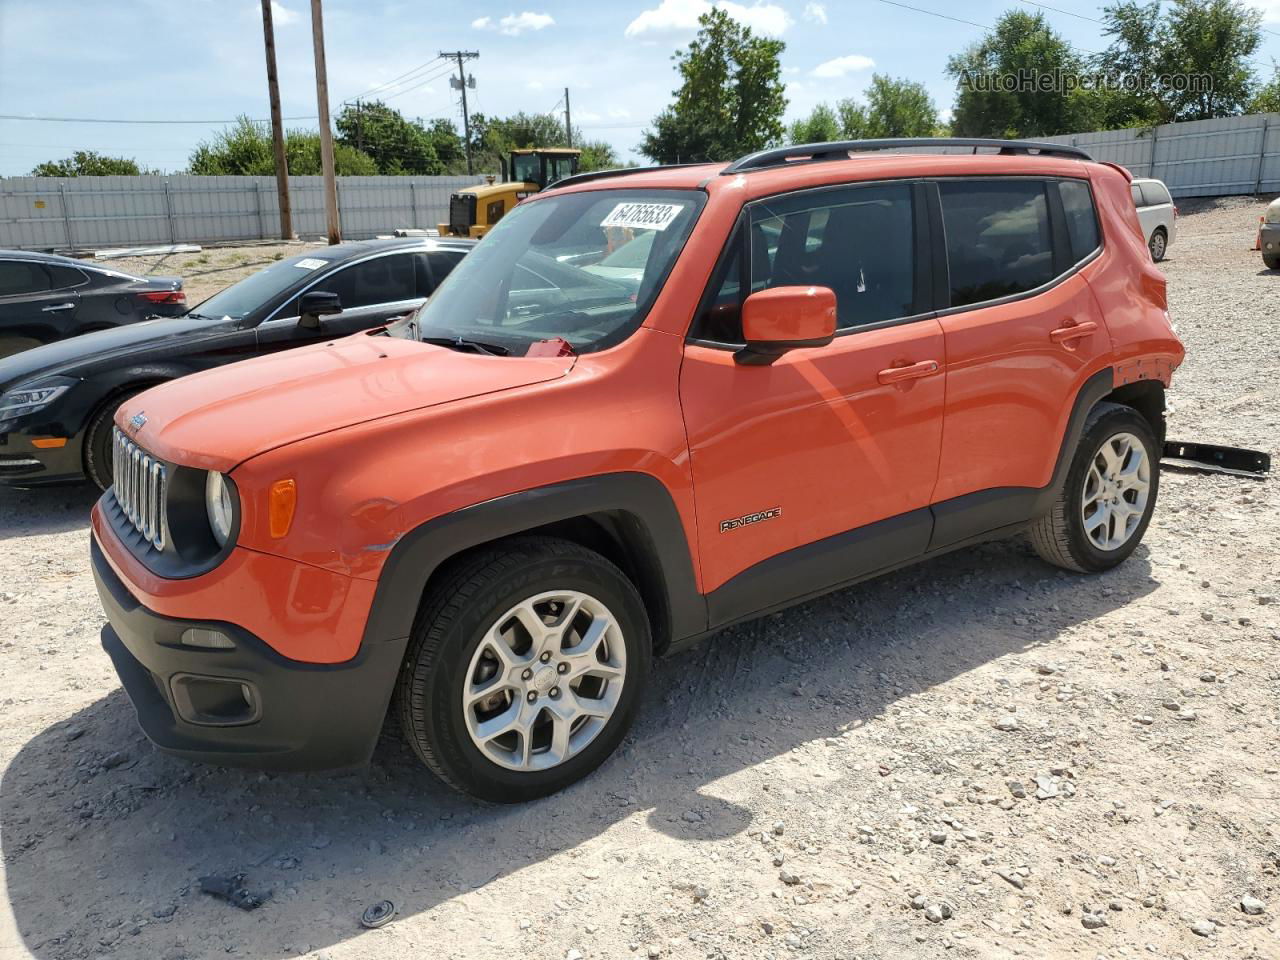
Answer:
(475, 346)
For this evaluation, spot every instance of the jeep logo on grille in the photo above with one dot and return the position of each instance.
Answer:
(736, 522)
(138, 421)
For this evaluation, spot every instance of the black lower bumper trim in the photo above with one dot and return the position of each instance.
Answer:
(304, 716)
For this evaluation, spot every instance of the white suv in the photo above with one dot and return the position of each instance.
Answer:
(1156, 213)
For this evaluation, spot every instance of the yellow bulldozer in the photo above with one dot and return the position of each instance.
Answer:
(473, 211)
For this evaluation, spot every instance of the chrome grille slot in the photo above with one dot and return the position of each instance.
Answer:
(139, 483)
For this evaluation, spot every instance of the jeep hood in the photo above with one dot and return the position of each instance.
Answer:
(217, 419)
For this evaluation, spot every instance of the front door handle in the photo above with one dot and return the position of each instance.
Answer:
(55, 307)
(914, 371)
(1073, 331)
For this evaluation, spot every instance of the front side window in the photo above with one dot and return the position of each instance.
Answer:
(1082, 222)
(22, 276)
(998, 239)
(858, 241)
(261, 288)
(380, 280)
(564, 266)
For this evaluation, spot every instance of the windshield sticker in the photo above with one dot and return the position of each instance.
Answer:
(310, 263)
(647, 216)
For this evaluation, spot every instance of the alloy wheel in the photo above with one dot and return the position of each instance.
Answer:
(544, 680)
(1116, 491)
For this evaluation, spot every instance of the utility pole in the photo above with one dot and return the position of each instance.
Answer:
(359, 128)
(326, 134)
(568, 126)
(462, 56)
(277, 125)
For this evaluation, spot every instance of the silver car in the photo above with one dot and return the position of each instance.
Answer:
(1157, 214)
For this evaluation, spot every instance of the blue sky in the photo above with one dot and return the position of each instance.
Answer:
(203, 60)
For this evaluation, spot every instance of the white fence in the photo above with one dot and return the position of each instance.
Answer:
(1200, 158)
(85, 213)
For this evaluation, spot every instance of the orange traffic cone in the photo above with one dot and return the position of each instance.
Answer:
(1257, 241)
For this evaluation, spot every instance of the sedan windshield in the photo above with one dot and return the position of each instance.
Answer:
(582, 267)
(259, 288)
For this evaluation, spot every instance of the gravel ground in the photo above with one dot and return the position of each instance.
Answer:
(979, 757)
(207, 272)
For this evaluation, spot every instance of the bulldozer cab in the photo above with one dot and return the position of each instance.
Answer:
(541, 166)
(473, 210)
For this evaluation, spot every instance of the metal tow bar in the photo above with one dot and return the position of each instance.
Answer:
(1211, 458)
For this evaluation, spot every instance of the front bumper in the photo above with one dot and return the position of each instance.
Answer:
(1269, 239)
(22, 464)
(248, 705)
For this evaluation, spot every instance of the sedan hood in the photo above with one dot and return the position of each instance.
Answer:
(78, 356)
(217, 419)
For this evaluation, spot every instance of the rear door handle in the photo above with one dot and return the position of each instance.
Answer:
(55, 307)
(914, 371)
(1073, 331)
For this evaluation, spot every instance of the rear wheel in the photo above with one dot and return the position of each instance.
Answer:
(97, 440)
(1105, 505)
(1158, 244)
(525, 669)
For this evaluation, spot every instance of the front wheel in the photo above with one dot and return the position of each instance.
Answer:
(1104, 507)
(525, 669)
(1271, 260)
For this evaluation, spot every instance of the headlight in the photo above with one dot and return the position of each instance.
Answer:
(32, 397)
(219, 506)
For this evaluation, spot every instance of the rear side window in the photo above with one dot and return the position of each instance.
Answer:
(860, 242)
(1155, 194)
(22, 276)
(998, 239)
(1082, 222)
(380, 280)
(64, 277)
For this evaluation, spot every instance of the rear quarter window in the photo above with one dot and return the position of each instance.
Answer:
(1155, 194)
(1082, 221)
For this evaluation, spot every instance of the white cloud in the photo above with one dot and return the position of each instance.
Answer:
(671, 16)
(534, 85)
(841, 66)
(514, 24)
(619, 113)
(815, 12)
(1270, 10)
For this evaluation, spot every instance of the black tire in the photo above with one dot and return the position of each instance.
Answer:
(1059, 536)
(97, 439)
(1271, 260)
(453, 621)
(1158, 244)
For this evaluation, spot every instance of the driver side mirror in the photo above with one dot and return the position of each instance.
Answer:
(785, 318)
(314, 305)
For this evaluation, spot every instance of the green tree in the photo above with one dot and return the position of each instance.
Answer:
(898, 108)
(397, 145)
(244, 150)
(730, 100)
(1267, 97)
(88, 163)
(998, 93)
(1190, 62)
(597, 155)
(820, 126)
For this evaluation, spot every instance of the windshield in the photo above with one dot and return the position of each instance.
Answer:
(547, 270)
(524, 167)
(259, 288)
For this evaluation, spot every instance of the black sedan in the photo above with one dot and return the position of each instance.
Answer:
(44, 298)
(57, 402)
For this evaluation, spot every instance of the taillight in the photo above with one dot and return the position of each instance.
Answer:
(1175, 209)
(164, 296)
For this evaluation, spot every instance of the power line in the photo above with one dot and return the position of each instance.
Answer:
(15, 116)
(394, 81)
(431, 79)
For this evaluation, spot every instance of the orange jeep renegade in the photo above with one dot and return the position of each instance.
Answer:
(648, 405)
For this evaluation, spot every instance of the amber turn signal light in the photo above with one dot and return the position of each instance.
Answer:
(281, 502)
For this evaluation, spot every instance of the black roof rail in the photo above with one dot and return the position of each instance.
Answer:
(840, 150)
(618, 172)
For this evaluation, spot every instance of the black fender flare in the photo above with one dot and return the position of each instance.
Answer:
(638, 497)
